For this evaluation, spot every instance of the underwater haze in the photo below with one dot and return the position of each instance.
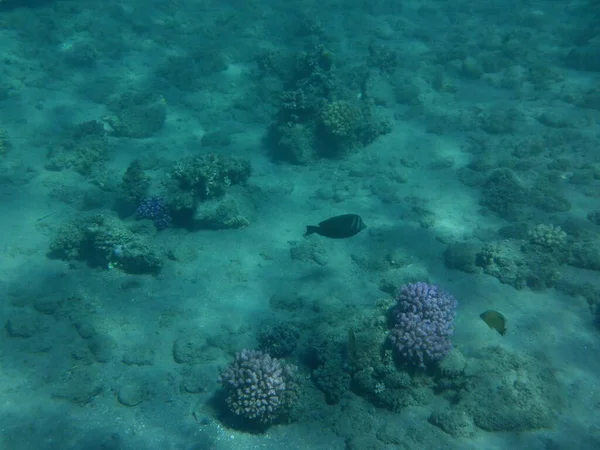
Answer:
(301, 225)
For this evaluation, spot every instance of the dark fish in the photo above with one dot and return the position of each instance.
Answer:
(338, 227)
(495, 320)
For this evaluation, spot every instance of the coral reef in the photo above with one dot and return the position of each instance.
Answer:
(423, 321)
(535, 263)
(529, 392)
(462, 256)
(279, 340)
(102, 241)
(548, 236)
(503, 194)
(585, 255)
(504, 261)
(329, 371)
(230, 211)
(383, 58)
(295, 142)
(371, 366)
(135, 183)
(318, 117)
(209, 175)
(594, 217)
(155, 209)
(258, 387)
(344, 125)
(340, 119)
(84, 149)
(197, 187)
(496, 390)
(330, 379)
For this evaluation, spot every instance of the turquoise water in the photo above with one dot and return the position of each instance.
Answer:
(160, 162)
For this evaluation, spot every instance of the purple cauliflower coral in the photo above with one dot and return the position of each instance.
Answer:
(423, 321)
(259, 387)
(154, 208)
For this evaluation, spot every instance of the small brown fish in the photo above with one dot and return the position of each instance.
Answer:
(495, 320)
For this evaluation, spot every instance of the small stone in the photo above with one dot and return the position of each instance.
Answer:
(132, 394)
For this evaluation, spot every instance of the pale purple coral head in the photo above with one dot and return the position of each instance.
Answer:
(259, 387)
(423, 320)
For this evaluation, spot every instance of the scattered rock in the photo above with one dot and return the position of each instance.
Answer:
(132, 394)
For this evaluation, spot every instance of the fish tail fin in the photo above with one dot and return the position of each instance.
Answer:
(310, 229)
